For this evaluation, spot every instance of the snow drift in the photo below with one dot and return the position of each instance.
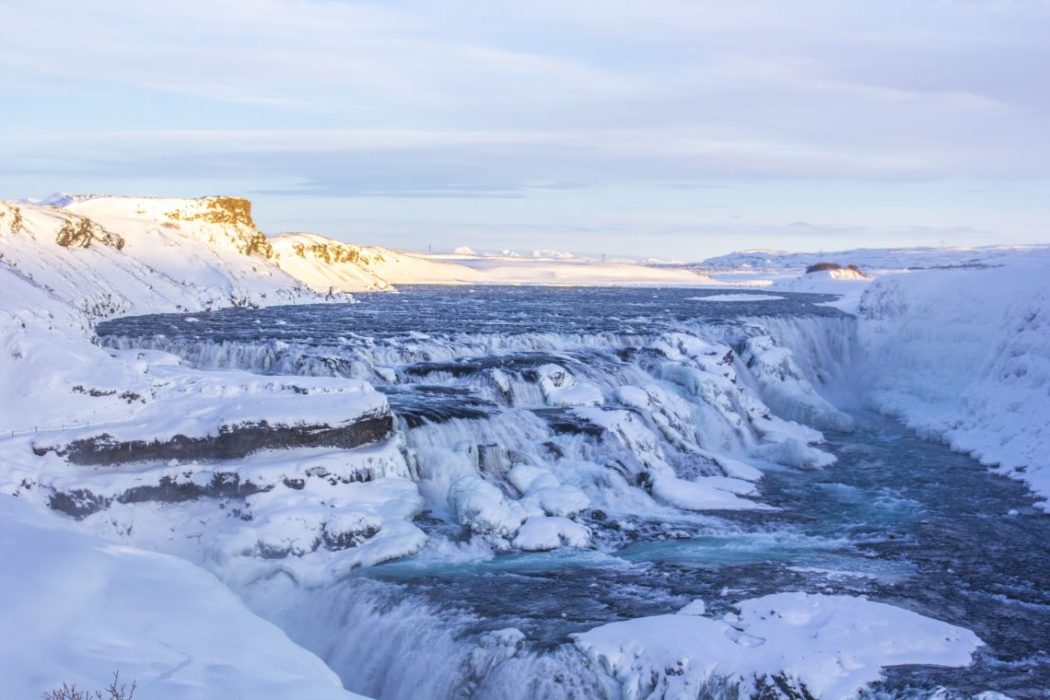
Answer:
(965, 356)
(75, 609)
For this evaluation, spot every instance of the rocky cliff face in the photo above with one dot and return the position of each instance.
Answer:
(330, 266)
(232, 212)
(332, 252)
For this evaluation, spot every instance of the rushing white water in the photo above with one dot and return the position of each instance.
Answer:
(623, 414)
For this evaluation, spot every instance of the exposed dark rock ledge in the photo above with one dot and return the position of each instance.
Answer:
(82, 502)
(231, 442)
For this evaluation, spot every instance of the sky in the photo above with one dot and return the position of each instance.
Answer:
(673, 129)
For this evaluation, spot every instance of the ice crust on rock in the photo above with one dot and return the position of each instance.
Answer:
(830, 646)
(706, 493)
(540, 533)
(784, 388)
(560, 388)
(483, 508)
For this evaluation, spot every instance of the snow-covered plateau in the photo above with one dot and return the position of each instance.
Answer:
(224, 477)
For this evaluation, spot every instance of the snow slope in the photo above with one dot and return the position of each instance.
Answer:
(75, 609)
(63, 269)
(327, 265)
(89, 608)
(848, 284)
(965, 356)
(123, 255)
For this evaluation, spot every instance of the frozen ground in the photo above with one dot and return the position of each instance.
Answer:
(76, 609)
(324, 264)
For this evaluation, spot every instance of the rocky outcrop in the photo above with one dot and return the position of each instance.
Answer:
(231, 442)
(81, 502)
(333, 253)
(13, 215)
(81, 232)
(230, 211)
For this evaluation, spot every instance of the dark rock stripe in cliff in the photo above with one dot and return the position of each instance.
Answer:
(231, 442)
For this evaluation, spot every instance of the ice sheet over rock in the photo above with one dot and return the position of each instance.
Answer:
(830, 646)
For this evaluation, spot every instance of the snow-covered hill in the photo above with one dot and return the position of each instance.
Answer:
(868, 259)
(326, 265)
(62, 269)
(87, 606)
(123, 255)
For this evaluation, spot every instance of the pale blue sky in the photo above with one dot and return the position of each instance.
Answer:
(674, 129)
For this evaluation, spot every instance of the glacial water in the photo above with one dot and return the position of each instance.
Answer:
(897, 518)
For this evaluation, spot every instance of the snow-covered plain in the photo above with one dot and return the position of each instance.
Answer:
(326, 265)
(959, 354)
(778, 262)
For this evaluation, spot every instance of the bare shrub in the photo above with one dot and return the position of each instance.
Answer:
(822, 266)
(114, 691)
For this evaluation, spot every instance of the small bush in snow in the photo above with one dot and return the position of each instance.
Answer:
(822, 266)
(114, 691)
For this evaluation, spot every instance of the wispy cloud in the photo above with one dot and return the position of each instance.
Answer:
(537, 99)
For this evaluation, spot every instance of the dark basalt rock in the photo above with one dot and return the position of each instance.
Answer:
(80, 503)
(355, 477)
(564, 422)
(167, 490)
(332, 541)
(524, 362)
(232, 442)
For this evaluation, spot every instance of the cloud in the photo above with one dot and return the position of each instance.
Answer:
(527, 99)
